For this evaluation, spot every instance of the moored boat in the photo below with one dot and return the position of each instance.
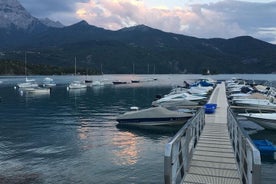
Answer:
(119, 82)
(135, 81)
(180, 97)
(76, 85)
(37, 90)
(48, 82)
(29, 83)
(266, 120)
(153, 116)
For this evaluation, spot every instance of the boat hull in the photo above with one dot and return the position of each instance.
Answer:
(119, 82)
(171, 121)
(267, 121)
(268, 124)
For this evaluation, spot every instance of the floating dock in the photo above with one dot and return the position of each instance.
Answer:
(213, 160)
(212, 148)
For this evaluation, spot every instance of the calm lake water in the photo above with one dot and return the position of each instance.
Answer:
(73, 137)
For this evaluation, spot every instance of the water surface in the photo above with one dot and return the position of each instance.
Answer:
(73, 137)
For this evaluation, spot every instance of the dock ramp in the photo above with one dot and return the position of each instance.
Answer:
(212, 148)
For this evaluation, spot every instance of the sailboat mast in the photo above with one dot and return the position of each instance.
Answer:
(25, 65)
(75, 66)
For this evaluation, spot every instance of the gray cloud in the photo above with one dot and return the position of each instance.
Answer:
(256, 19)
(62, 10)
(225, 19)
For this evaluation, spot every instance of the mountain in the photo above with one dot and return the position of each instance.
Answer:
(50, 23)
(117, 51)
(13, 14)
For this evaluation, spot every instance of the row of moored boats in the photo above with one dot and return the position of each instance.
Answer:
(254, 101)
(174, 108)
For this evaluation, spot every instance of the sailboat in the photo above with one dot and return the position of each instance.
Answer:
(133, 72)
(87, 81)
(76, 84)
(29, 83)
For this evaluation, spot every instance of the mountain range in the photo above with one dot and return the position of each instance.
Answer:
(148, 49)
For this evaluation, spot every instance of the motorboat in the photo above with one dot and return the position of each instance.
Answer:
(153, 116)
(180, 97)
(48, 82)
(135, 81)
(259, 103)
(266, 120)
(175, 104)
(119, 82)
(254, 100)
(87, 81)
(97, 83)
(194, 90)
(77, 85)
(205, 82)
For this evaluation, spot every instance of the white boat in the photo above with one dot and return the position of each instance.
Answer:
(260, 103)
(153, 116)
(48, 82)
(37, 90)
(180, 97)
(76, 85)
(29, 83)
(266, 120)
(197, 90)
(97, 83)
(175, 104)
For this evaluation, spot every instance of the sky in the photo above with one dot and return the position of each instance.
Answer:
(198, 18)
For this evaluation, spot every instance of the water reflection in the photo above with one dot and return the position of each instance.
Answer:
(127, 151)
(152, 132)
(83, 131)
(77, 92)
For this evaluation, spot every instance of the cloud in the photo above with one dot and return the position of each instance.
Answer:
(196, 20)
(255, 19)
(224, 19)
(62, 10)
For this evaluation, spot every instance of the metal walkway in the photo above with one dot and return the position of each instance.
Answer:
(213, 160)
(212, 148)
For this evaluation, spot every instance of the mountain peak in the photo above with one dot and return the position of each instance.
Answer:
(82, 23)
(50, 23)
(12, 13)
(140, 27)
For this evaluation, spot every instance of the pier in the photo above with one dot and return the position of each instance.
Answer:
(212, 148)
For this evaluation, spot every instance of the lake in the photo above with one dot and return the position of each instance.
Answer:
(73, 137)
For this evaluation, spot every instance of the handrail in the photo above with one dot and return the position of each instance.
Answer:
(247, 155)
(179, 150)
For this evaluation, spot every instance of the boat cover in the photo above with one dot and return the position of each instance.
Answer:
(154, 112)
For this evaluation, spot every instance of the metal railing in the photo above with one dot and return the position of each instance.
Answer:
(178, 152)
(247, 155)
